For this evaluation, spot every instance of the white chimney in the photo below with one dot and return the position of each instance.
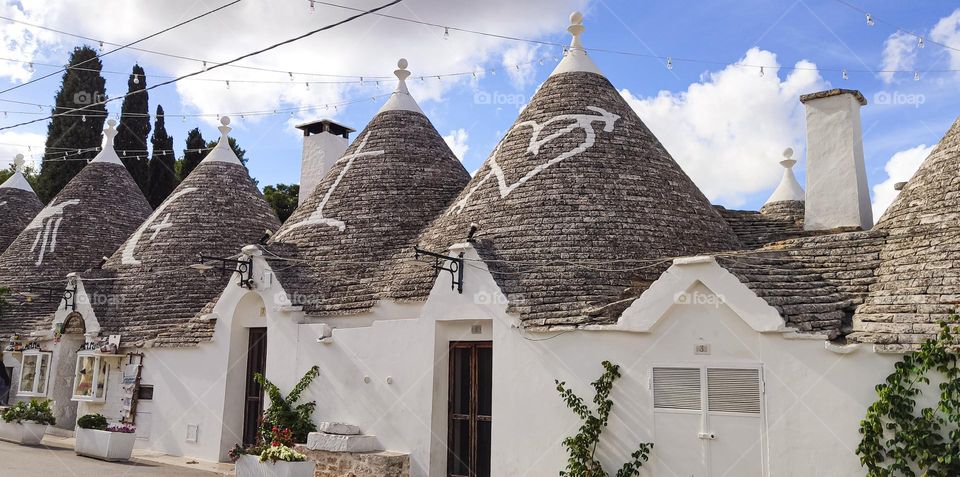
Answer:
(837, 193)
(324, 141)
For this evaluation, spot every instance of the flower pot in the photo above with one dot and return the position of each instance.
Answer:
(250, 466)
(27, 432)
(104, 445)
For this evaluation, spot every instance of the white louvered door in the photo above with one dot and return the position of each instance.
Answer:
(708, 421)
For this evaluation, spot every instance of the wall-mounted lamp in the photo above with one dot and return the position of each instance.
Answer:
(244, 268)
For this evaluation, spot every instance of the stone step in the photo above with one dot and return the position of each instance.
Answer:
(338, 428)
(341, 443)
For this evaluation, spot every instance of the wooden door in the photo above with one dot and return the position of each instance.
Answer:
(253, 395)
(470, 403)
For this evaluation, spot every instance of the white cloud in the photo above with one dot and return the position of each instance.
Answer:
(899, 168)
(947, 31)
(369, 46)
(457, 141)
(519, 63)
(728, 130)
(28, 144)
(899, 53)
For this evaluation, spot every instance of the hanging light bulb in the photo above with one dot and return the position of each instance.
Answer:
(540, 61)
(4, 114)
(228, 84)
(308, 86)
(669, 63)
(30, 67)
(844, 74)
(916, 76)
(920, 43)
(870, 21)
(291, 75)
(493, 72)
(101, 45)
(313, 6)
(446, 33)
(83, 118)
(183, 119)
(361, 80)
(204, 66)
(761, 72)
(136, 79)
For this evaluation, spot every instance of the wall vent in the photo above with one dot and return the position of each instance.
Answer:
(676, 388)
(733, 390)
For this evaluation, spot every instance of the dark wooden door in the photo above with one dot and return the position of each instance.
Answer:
(470, 402)
(253, 395)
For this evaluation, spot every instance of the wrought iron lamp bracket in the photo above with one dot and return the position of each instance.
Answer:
(446, 263)
(244, 268)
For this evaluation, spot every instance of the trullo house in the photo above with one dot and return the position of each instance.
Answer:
(19, 204)
(440, 308)
(86, 221)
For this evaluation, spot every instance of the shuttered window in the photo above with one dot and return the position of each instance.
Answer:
(676, 388)
(733, 390)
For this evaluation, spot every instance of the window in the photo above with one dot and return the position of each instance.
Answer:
(145, 392)
(34, 373)
(90, 381)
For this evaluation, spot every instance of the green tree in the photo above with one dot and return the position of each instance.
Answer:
(283, 198)
(131, 140)
(163, 175)
(193, 154)
(82, 85)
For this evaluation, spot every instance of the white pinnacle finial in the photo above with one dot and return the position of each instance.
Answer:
(110, 132)
(788, 160)
(224, 127)
(222, 152)
(401, 100)
(576, 29)
(17, 180)
(575, 58)
(789, 188)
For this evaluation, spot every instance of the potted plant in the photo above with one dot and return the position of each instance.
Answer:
(278, 459)
(97, 439)
(26, 422)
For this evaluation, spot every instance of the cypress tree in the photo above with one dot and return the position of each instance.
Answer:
(82, 85)
(163, 176)
(131, 141)
(193, 154)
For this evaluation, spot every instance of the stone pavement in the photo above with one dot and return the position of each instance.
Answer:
(60, 461)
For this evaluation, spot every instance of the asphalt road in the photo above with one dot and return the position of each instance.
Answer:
(43, 461)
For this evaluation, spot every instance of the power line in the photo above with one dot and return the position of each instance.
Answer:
(872, 19)
(239, 58)
(101, 55)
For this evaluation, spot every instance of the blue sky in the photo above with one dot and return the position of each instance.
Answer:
(724, 124)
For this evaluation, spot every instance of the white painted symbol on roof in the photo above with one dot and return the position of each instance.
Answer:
(3, 203)
(579, 121)
(165, 224)
(47, 223)
(128, 258)
(317, 218)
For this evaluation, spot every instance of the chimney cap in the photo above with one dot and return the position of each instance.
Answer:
(834, 92)
(317, 127)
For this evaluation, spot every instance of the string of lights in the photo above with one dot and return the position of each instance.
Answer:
(121, 47)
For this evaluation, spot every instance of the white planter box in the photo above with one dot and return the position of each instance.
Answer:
(250, 466)
(111, 446)
(27, 433)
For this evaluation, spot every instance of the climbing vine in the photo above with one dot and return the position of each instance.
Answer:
(582, 446)
(899, 440)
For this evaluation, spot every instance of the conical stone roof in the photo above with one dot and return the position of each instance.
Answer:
(578, 202)
(918, 280)
(216, 211)
(85, 222)
(18, 205)
(396, 176)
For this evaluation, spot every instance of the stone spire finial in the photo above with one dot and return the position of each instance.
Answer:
(18, 163)
(222, 152)
(110, 132)
(788, 160)
(575, 58)
(789, 189)
(576, 29)
(225, 129)
(107, 153)
(401, 99)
